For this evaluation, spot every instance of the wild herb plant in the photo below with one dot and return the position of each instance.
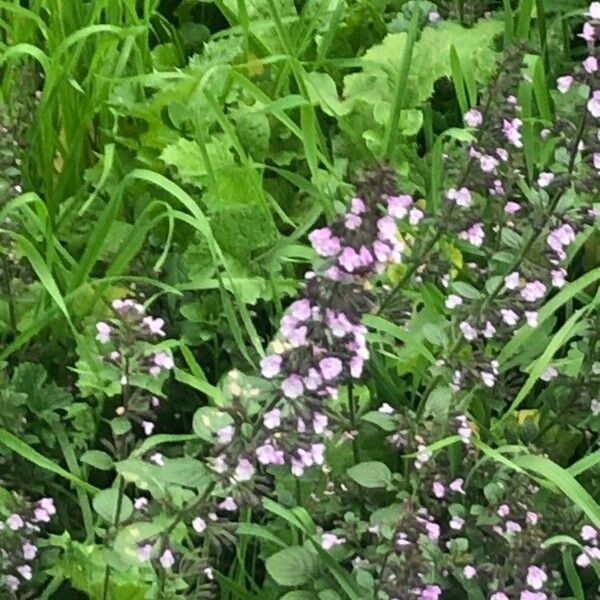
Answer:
(299, 300)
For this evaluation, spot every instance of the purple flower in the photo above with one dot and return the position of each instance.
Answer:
(462, 197)
(329, 540)
(588, 533)
(457, 485)
(271, 365)
(433, 531)
(559, 277)
(588, 33)
(155, 326)
(431, 592)
(272, 418)
(350, 259)
(324, 243)
(292, 387)
(198, 524)
(300, 309)
(532, 318)
(25, 572)
(244, 470)
(398, 205)
(357, 206)
(352, 221)
(509, 316)
(512, 207)
(474, 235)
(593, 104)
(503, 510)
(15, 522)
(453, 301)
(594, 10)
(473, 118)
(536, 577)
(330, 368)
(545, 179)
(144, 552)
(590, 64)
(512, 281)
(488, 163)
(319, 423)
(229, 504)
(267, 454)
(167, 560)
(512, 133)
(456, 523)
(30, 551)
(469, 332)
(104, 330)
(549, 374)
(164, 360)
(438, 489)
(387, 229)
(469, 572)
(533, 291)
(527, 595)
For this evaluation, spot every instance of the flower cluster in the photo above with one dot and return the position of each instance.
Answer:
(18, 547)
(127, 341)
(511, 232)
(321, 343)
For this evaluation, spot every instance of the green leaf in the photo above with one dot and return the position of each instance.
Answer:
(292, 566)
(27, 452)
(371, 474)
(564, 481)
(382, 420)
(106, 503)
(98, 459)
(208, 421)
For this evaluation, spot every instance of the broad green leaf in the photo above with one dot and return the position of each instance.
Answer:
(292, 566)
(371, 474)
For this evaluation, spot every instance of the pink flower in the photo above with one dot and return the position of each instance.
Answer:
(512, 133)
(320, 423)
(15, 522)
(545, 179)
(457, 486)
(469, 332)
(499, 596)
(593, 104)
(357, 206)
(564, 83)
(473, 118)
(503, 510)
(509, 316)
(198, 524)
(489, 331)
(536, 577)
(272, 418)
(453, 301)
(398, 205)
(438, 489)
(385, 409)
(292, 387)
(167, 560)
(387, 229)
(154, 326)
(588, 533)
(488, 163)
(588, 33)
(513, 527)
(469, 572)
(533, 291)
(594, 10)
(433, 16)
(512, 207)
(532, 318)
(415, 216)
(29, 551)
(330, 368)
(244, 470)
(457, 523)
(462, 196)
(590, 64)
(431, 592)
(164, 360)
(148, 427)
(474, 235)
(104, 330)
(267, 454)
(229, 504)
(532, 518)
(352, 221)
(558, 277)
(324, 243)
(549, 374)
(433, 531)
(329, 540)
(512, 281)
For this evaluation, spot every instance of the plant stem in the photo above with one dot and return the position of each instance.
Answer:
(352, 412)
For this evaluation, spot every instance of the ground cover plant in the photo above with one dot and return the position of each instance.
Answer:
(299, 300)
